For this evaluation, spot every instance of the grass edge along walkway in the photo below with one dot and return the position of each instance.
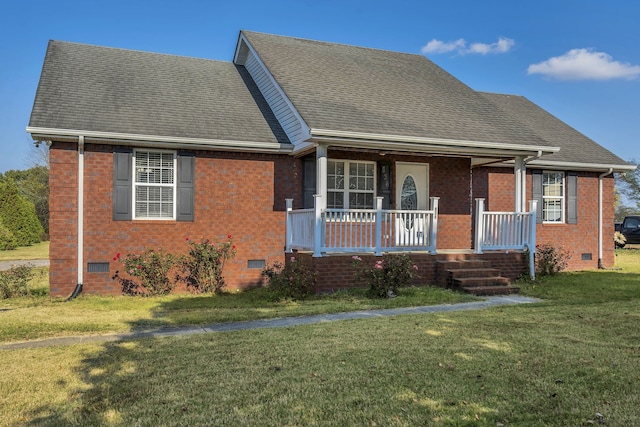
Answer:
(493, 301)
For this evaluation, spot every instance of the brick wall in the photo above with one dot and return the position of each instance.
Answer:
(63, 225)
(580, 238)
(235, 193)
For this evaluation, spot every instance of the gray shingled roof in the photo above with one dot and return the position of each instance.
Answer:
(575, 147)
(355, 89)
(102, 89)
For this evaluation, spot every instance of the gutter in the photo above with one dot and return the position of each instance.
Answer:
(116, 138)
(600, 216)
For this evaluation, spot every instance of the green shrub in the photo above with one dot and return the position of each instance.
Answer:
(202, 266)
(19, 215)
(550, 260)
(387, 275)
(146, 274)
(15, 281)
(7, 239)
(293, 280)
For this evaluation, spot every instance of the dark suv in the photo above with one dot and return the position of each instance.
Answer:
(630, 229)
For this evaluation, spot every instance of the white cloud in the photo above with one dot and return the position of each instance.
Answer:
(584, 64)
(437, 46)
(503, 45)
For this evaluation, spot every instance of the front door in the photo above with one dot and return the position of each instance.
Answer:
(412, 193)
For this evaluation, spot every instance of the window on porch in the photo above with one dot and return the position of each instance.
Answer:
(350, 184)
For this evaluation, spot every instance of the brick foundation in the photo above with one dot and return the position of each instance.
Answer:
(336, 272)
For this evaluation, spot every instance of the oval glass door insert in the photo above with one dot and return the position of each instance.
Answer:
(409, 200)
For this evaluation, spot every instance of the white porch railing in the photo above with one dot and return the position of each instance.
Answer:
(506, 231)
(361, 230)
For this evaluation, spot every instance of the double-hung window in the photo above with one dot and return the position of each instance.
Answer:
(154, 191)
(553, 197)
(350, 184)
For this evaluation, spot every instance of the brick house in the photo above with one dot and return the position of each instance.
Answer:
(300, 145)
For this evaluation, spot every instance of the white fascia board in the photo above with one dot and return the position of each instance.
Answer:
(303, 124)
(375, 140)
(547, 164)
(157, 141)
(596, 167)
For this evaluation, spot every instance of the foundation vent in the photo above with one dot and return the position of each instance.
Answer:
(256, 263)
(97, 267)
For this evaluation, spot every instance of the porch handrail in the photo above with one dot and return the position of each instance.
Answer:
(361, 230)
(506, 231)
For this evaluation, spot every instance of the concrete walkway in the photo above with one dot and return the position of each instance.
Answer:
(272, 323)
(6, 265)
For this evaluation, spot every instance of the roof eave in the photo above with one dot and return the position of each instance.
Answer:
(594, 167)
(115, 138)
(422, 144)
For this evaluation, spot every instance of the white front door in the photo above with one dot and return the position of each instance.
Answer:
(412, 193)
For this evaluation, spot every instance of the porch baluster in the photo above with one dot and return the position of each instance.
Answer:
(319, 241)
(479, 226)
(289, 229)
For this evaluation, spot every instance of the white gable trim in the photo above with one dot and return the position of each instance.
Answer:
(292, 123)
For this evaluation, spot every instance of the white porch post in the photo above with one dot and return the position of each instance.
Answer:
(378, 242)
(288, 229)
(533, 208)
(479, 229)
(520, 173)
(321, 174)
(318, 241)
(433, 232)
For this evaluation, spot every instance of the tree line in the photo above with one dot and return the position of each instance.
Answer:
(627, 193)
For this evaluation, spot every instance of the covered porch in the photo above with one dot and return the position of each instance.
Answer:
(324, 232)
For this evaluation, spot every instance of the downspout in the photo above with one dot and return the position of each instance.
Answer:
(600, 216)
(78, 288)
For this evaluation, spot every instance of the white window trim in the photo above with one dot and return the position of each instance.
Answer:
(345, 191)
(563, 210)
(174, 185)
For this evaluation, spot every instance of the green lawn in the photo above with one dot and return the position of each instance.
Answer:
(572, 360)
(37, 251)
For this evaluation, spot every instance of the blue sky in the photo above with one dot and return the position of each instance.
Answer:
(578, 60)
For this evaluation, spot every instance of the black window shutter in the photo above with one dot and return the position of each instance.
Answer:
(537, 192)
(308, 181)
(384, 183)
(185, 186)
(572, 198)
(122, 184)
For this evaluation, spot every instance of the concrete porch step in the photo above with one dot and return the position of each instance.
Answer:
(473, 272)
(475, 282)
(492, 290)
